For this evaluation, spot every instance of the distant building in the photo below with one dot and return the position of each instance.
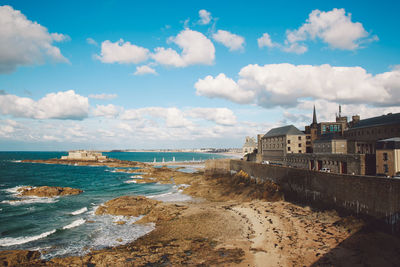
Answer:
(279, 142)
(249, 145)
(84, 155)
(388, 156)
(330, 144)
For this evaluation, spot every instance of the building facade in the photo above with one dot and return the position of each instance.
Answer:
(330, 144)
(249, 145)
(279, 142)
(388, 156)
(84, 155)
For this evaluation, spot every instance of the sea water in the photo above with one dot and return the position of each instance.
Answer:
(64, 226)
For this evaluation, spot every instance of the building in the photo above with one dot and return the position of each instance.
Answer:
(315, 130)
(279, 142)
(363, 134)
(84, 155)
(330, 144)
(388, 156)
(249, 145)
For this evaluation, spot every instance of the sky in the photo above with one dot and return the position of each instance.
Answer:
(189, 74)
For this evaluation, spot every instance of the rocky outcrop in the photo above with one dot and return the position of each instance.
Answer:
(19, 257)
(127, 206)
(48, 191)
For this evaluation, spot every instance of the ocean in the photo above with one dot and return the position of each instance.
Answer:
(66, 226)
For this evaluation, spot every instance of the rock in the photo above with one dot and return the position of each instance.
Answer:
(18, 257)
(127, 206)
(48, 191)
(120, 222)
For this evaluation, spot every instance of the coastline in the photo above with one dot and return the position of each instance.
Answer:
(233, 221)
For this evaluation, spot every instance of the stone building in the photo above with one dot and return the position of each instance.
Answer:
(388, 156)
(249, 145)
(315, 130)
(279, 142)
(363, 134)
(84, 155)
(336, 163)
(330, 144)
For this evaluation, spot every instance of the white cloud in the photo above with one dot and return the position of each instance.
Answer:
(285, 84)
(205, 17)
(122, 52)
(334, 28)
(103, 96)
(222, 116)
(91, 41)
(230, 40)
(61, 105)
(223, 87)
(108, 111)
(142, 70)
(295, 48)
(265, 40)
(23, 42)
(196, 49)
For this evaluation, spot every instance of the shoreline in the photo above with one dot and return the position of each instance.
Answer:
(246, 222)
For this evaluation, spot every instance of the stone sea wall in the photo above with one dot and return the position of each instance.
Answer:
(375, 197)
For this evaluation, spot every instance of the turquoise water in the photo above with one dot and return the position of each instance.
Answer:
(67, 225)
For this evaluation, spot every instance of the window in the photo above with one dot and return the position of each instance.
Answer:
(386, 168)
(288, 149)
(288, 141)
(385, 156)
(299, 137)
(299, 145)
(299, 151)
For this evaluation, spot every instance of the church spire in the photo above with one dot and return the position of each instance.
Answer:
(314, 119)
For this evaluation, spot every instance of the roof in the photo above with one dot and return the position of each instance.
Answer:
(285, 130)
(394, 139)
(378, 121)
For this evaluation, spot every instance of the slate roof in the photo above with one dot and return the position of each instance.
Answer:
(285, 130)
(378, 121)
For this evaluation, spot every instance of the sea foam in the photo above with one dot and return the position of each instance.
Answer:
(74, 224)
(12, 241)
(80, 211)
(30, 200)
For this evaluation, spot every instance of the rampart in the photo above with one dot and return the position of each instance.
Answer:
(375, 197)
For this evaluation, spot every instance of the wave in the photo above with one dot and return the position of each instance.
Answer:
(130, 182)
(80, 211)
(12, 241)
(14, 190)
(74, 224)
(30, 200)
(137, 177)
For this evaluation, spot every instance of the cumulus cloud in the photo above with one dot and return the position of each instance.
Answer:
(334, 28)
(122, 52)
(24, 42)
(223, 87)
(230, 40)
(103, 96)
(222, 116)
(205, 17)
(91, 41)
(196, 49)
(61, 105)
(142, 70)
(285, 84)
(265, 40)
(108, 111)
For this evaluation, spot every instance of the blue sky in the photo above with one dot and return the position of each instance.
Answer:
(208, 73)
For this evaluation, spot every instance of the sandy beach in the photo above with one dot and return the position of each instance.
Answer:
(231, 221)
